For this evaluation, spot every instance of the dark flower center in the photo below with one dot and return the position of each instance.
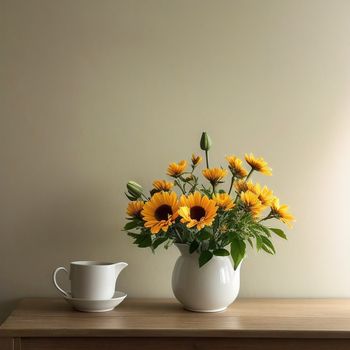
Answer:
(163, 212)
(197, 213)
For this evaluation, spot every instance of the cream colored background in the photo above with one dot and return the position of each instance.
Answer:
(94, 93)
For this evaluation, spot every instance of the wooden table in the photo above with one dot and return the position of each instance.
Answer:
(162, 324)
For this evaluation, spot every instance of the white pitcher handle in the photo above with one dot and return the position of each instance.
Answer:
(55, 282)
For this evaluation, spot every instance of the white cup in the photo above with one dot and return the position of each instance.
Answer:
(91, 280)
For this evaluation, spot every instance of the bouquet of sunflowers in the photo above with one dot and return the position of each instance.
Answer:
(206, 217)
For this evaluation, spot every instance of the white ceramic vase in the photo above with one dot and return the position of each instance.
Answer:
(211, 288)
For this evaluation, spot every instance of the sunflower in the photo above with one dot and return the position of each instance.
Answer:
(240, 186)
(160, 211)
(197, 210)
(134, 208)
(177, 169)
(236, 167)
(254, 187)
(223, 201)
(266, 196)
(162, 185)
(258, 164)
(214, 175)
(252, 203)
(281, 212)
(196, 160)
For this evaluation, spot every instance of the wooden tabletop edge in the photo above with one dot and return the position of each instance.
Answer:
(304, 334)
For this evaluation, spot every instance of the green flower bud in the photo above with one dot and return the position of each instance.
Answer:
(131, 198)
(134, 189)
(205, 142)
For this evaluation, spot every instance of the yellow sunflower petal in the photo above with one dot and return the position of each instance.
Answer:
(236, 167)
(224, 201)
(177, 169)
(160, 211)
(196, 160)
(252, 203)
(214, 175)
(197, 210)
(282, 212)
(258, 164)
(134, 208)
(162, 185)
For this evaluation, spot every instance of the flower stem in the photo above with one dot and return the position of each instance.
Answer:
(250, 173)
(246, 179)
(179, 186)
(207, 158)
(269, 216)
(231, 184)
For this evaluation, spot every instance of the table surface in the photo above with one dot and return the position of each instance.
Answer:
(304, 318)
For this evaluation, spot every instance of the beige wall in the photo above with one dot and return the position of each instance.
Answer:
(94, 93)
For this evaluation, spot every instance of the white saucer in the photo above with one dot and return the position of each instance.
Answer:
(88, 305)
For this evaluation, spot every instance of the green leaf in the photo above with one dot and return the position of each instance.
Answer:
(158, 241)
(221, 252)
(268, 243)
(212, 244)
(144, 241)
(193, 246)
(265, 230)
(133, 235)
(266, 249)
(250, 242)
(216, 224)
(259, 242)
(203, 234)
(278, 232)
(237, 251)
(132, 224)
(204, 257)
(231, 236)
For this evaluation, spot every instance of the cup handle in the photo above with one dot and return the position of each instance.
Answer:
(55, 282)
